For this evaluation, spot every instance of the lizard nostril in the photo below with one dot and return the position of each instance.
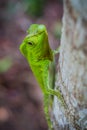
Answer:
(41, 28)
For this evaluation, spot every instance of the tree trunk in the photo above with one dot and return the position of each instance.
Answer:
(72, 68)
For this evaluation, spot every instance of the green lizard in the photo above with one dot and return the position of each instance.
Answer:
(35, 48)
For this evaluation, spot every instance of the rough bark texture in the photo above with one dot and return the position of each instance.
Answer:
(72, 68)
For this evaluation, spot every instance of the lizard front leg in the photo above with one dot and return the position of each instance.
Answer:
(56, 51)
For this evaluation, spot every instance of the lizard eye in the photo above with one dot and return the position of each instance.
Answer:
(30, 43)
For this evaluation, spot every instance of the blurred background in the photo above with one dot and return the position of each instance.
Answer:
(21, 106)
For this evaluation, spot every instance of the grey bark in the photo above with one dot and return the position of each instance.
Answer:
(72, 68)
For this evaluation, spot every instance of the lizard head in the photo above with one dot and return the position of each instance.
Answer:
(35, 44)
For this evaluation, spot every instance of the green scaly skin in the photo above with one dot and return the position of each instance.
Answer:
(35, 48)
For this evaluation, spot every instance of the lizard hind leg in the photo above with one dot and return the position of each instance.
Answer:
(46, 110)
(59, 96)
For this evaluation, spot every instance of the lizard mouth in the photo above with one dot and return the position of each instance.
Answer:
(22, 49)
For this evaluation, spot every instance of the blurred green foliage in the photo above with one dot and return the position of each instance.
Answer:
(30, 7)
(5, 64)
(34, 7)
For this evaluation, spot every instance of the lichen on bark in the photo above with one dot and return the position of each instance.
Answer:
(72, 68)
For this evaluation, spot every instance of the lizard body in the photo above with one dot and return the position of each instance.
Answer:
(35, 47)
